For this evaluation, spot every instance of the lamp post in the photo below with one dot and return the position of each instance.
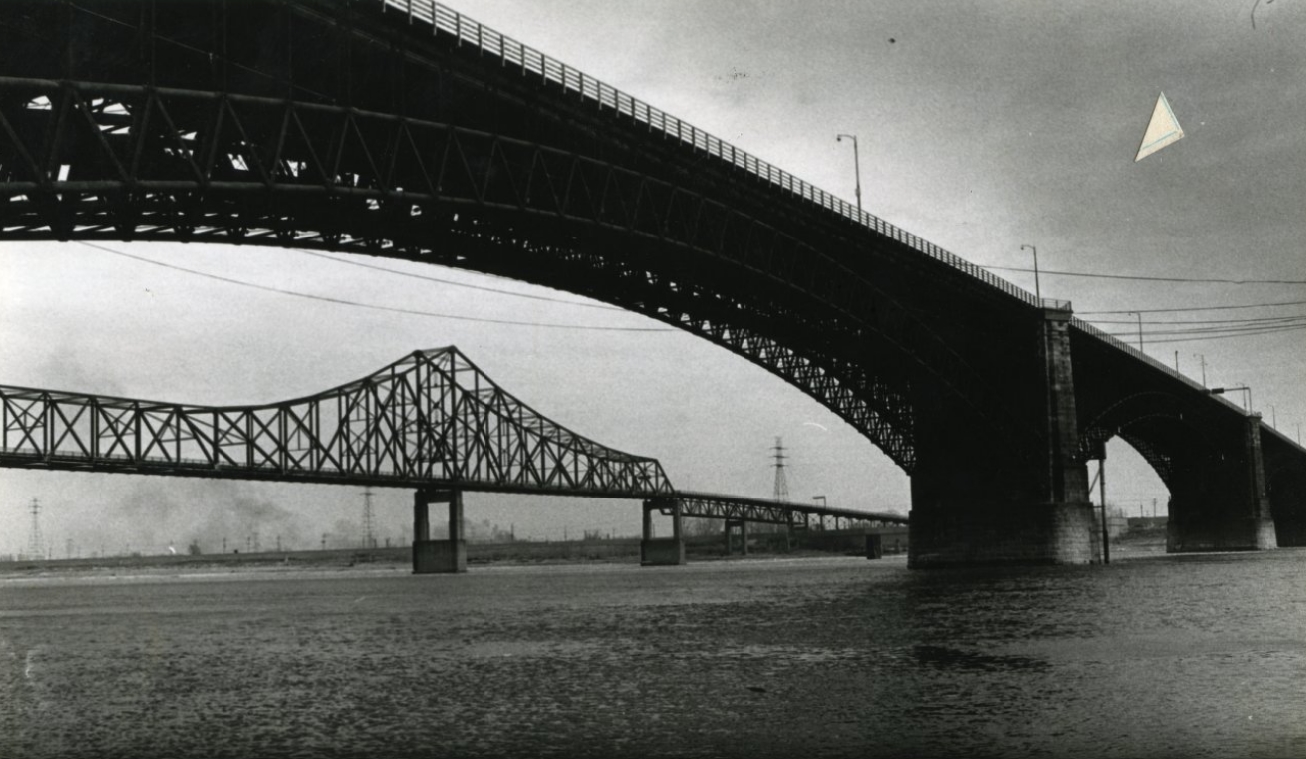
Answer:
(1242, 388)
(1037, 294)
(857, 169)
(1140, 328)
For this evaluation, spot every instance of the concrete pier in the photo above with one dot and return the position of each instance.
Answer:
(655, 551)
(438, 556)
(731, 526)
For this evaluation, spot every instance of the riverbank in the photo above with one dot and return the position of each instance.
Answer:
(521, 552)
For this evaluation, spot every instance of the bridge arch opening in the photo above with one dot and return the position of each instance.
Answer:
(1207, 458)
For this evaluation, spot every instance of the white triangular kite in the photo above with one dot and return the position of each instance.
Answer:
(1162, 130)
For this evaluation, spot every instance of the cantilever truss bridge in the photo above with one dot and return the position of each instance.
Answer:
(431, 419)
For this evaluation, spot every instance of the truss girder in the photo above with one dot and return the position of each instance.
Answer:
(432, 418)
(772, 512)
(123, 162)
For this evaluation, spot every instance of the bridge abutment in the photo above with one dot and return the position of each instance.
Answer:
(438, 556)
(1223, 506)
(654, 551)
(975, 502)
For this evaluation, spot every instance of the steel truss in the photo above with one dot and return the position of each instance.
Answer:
(82, 160)
(773, 512)
(431, 419)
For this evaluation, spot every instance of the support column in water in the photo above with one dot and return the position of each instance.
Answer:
(438, 556)
(659, 551)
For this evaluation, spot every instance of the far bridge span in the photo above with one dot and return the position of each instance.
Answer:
(431, 421)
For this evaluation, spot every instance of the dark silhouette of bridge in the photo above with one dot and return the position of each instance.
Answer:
(403, 129)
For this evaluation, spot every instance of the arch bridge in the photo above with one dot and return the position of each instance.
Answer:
(401, 128)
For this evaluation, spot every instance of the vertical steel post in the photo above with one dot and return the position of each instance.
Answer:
(421, 517)
(1101, 484)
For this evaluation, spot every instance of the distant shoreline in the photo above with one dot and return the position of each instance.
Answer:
(613, 550)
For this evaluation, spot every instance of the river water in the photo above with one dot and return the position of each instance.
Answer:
(1193, 656)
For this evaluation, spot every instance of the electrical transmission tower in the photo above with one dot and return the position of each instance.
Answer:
(369, 521)
(781, 486)
(35, 550)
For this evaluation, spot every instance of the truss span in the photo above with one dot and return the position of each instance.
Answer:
(714, 506)
(430, 419)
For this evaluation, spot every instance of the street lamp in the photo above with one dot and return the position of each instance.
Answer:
(1140, 328)
(857, 169)
(1037, 294)
(1242, 388)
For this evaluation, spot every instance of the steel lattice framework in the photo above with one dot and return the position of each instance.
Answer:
(773, 512)
(401, 128)
(148, 179)
(431, 419)
(141, 160)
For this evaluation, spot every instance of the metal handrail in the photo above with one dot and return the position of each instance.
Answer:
(1119, 344)
(442, 18)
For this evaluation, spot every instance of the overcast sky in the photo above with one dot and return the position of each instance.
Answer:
(982, 126)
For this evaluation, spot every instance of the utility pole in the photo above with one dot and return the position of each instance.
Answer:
(781, 490)
(1101, 484)
(1202, 358)
(369, 520)
(34, 542)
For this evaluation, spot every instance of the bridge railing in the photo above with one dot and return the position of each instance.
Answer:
(442, 18)
(1119, 344)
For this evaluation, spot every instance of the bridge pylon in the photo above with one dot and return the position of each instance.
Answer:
(974, 502)
(655, 551)
(1220, 503)
(447, 556)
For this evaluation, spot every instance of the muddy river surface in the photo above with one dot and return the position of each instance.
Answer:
(1155, 656)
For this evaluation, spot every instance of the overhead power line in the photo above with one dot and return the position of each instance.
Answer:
(1206, 280)
(455, 283)
(1260, 319)
(355, 304)
(1197, 308)
(1222, 335)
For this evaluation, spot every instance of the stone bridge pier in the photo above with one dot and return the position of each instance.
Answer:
(438, 556)
(1218, 502)
(1287, 495)
(978, 498)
